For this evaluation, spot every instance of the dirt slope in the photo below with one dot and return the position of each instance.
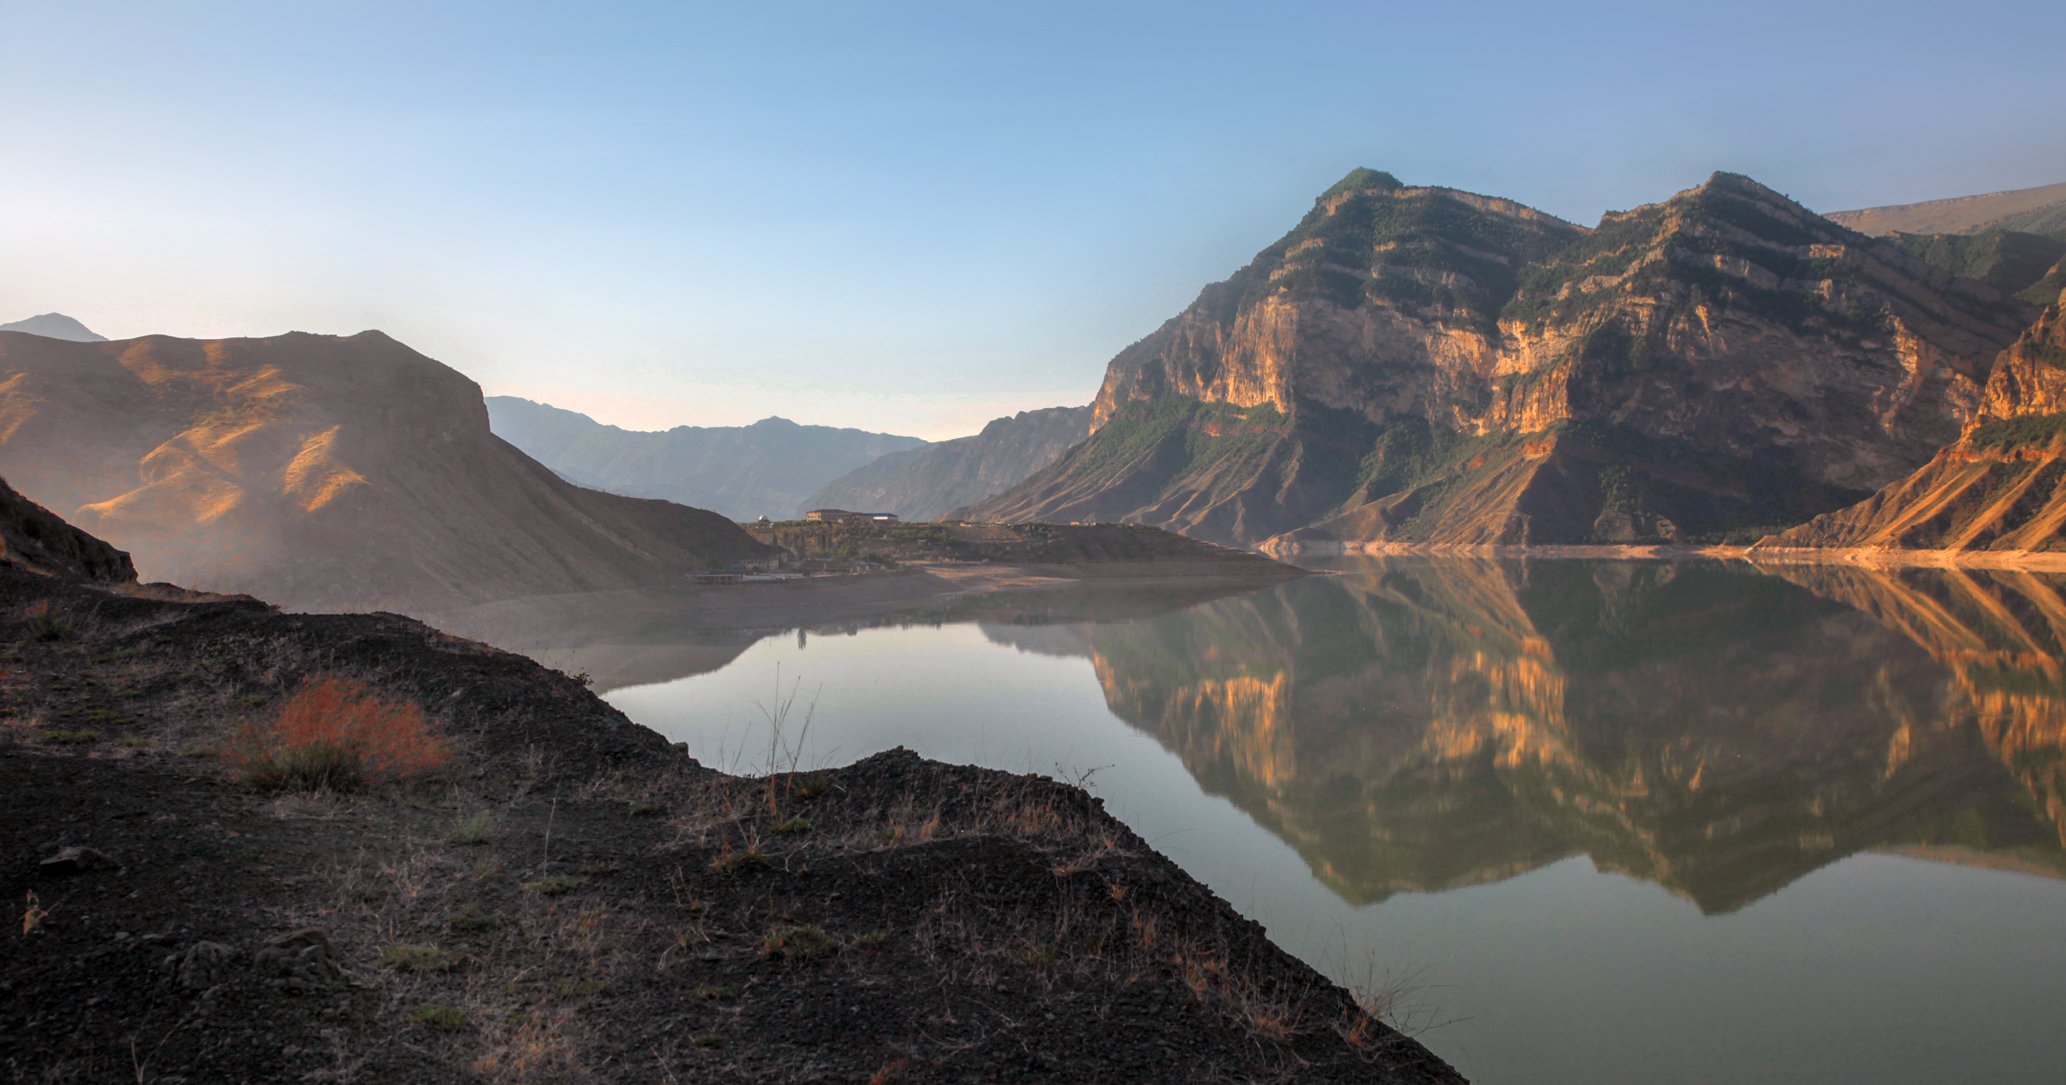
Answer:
(319, 471)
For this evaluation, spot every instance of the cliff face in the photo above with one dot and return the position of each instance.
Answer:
(2001, 486)
(319, 471)
(768, 468)
(1426, 365)
(33, 538)
(930, 482)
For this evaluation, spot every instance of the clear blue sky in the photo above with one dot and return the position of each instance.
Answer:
(908, 217)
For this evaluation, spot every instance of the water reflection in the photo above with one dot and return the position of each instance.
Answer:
(1632, 821)
(1414, 725)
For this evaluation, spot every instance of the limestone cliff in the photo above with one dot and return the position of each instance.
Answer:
(2000, 487)
(319, 471)
(1426, 365)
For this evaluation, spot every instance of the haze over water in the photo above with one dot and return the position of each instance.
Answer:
(1600, 821)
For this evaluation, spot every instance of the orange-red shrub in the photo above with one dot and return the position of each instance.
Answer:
(338, 733)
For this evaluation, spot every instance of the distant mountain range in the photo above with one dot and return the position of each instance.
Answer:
(2013, 241)
(930, 482)
(1421, 365)
(55, 326)
(319, 471)
(767, 469)
(2034, 210)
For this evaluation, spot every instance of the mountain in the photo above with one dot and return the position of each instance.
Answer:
(1423, 365)
(2040, 210)
(2013, 241)
(927, 483)
(34, 538)
(55, 326)
(319, 471)
(2030, 266)
(766, 469)
(2000, 487)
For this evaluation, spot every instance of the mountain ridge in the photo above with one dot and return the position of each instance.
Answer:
(935, 480)
(769, 468)
(1423, 365)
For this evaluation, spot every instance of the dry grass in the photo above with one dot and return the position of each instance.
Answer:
(340, 734)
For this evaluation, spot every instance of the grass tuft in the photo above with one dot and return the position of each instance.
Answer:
(406, 957)
(440, 1017)
(48, 624)
(793, 944)
(556, 885)
(472, 830)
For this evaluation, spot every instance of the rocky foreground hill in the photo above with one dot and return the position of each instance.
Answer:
(319, 471)
(770, 468)
(556, 894)
(1423, 365)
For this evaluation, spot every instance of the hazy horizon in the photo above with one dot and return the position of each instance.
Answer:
(909, 219)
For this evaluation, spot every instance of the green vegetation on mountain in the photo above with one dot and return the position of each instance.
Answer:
(2008, 260)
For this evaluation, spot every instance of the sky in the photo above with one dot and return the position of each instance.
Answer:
(901, 217)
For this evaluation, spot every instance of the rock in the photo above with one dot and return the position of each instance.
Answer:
(77, 859)
(301, 959)
(203, 966)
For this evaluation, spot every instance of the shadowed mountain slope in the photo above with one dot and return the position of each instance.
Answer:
(768, 468)
(35, 539)
(1424, 365)
(2000, 487)
(319, 471)
(930, 482)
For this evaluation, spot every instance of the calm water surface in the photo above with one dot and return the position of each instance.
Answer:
(1597, 821)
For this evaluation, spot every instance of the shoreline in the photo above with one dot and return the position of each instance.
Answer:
(1754, 554)
(774, 606)
(573, 897)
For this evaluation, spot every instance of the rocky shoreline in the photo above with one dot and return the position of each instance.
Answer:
(570, 898)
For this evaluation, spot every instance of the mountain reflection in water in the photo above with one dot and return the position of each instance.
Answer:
(1424, 766)
(1412, 725)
